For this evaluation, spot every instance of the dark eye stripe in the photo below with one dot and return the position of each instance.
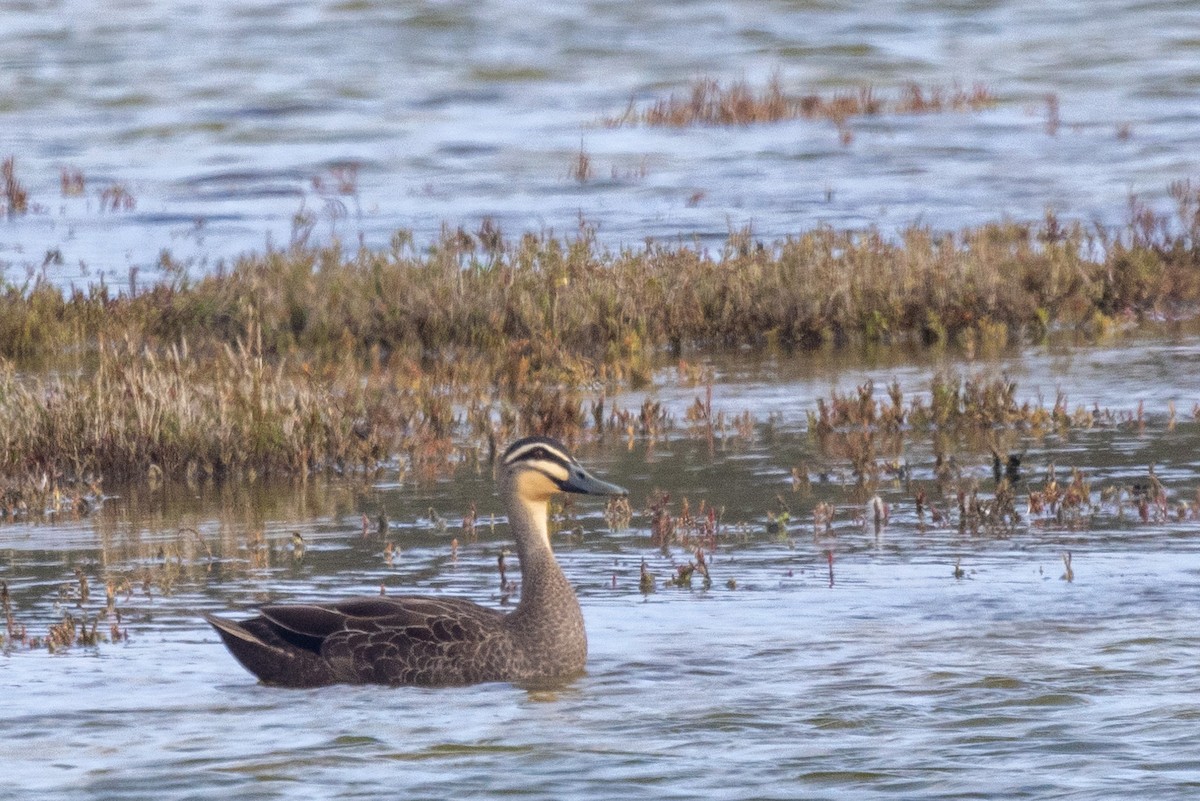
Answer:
(535, 450)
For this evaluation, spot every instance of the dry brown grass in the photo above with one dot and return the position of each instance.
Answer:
(312, 359)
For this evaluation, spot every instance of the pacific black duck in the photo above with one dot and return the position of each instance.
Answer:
(440, 641)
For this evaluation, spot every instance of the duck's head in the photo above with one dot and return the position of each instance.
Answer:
(536, 468)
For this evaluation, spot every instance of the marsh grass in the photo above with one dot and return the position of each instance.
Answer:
(867, 440)
(567, 310)
(71, 182)
(15, 197)
(139, 413)
(581, 167)
(117, 198)
(313, 359)
(709, 102)
(68, 630)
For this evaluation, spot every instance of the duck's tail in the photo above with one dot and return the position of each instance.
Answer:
(268, 656)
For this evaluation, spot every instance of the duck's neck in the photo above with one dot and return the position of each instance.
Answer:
(548, 609)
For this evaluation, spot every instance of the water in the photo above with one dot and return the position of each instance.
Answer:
(226, 120)
(883, 676)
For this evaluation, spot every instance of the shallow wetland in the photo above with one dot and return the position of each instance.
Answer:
(884, 314)
(825, 656)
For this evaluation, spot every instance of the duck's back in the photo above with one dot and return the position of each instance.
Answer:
(398, 640)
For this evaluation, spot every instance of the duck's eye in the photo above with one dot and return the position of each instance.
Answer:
(539, 453)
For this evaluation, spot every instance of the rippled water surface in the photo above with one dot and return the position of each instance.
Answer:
(237, 125)
(841, 664)
(229, 121)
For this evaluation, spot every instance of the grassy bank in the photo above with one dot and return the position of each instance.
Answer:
(315, 359)
(566, 305)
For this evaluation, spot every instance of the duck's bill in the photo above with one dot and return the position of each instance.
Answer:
(581, 481)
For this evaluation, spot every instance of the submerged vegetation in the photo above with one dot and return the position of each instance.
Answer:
(311, 358)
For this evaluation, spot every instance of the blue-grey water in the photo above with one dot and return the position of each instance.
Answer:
(884, 674)
(230, 126)
(240, 125)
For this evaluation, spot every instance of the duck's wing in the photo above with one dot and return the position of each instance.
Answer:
(414, 640)
(388, 640)
(448, 619)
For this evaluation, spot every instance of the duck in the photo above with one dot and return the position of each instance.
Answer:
(441, 641)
